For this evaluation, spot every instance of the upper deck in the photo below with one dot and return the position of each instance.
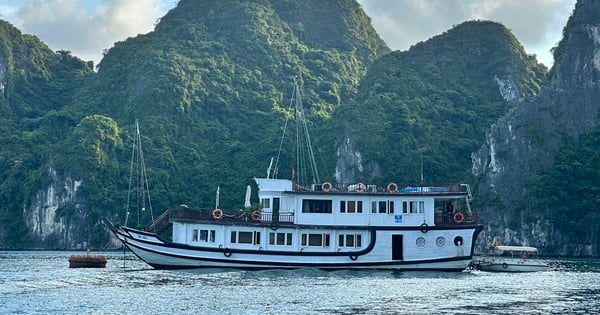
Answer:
(285, 204)
(268, 186)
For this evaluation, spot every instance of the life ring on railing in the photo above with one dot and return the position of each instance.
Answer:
(392, 187)
(256, 215)
(360, 187)
(459, 217)
(504, 265)
(326, 186)
(217, 214)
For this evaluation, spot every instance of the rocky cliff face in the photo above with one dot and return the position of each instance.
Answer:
(525, 140)
(47, 228)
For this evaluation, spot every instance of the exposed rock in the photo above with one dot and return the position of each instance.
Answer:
(48, 229)
(349, 162)
(525, 141)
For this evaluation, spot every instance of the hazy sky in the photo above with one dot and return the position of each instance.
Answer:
(87, 27)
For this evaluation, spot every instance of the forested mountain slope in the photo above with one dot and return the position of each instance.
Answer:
(211, 86)
(436, 101)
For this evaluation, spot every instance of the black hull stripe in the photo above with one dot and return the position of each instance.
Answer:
(365, 251)
(255, 264)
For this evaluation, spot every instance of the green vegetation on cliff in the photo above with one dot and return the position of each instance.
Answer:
(211, 87)
(438, 99)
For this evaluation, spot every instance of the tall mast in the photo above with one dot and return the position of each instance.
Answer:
(303, 162)
(138, 168)
(305, 158)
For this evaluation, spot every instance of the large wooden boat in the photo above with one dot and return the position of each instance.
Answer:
(318, 225)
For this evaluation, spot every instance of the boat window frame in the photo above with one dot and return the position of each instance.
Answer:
(210, 235)
(356, 239)
(383, 206)
(311, 239)
(317, 206)
(252, 239)
(351, 206)
(285, 237)
(413, 206)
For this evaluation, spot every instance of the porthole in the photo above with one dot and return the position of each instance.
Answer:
(458, 241)
(440, 241)
(421, 241)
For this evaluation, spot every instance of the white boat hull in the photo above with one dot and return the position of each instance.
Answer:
(167, 255)
(512, 265)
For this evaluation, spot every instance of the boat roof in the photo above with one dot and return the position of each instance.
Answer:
(515, 248)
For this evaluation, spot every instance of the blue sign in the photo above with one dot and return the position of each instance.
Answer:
(398, 218)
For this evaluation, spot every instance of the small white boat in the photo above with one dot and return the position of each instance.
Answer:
(510, 259)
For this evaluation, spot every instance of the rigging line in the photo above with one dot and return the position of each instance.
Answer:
(287, 118)
(304, 126)
(144, 175)
(130, 179)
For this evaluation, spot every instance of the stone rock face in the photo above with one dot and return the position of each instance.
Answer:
(525, 140)
(48, 229)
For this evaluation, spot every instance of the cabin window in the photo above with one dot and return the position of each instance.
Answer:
(207, 236)
(350, 240)
(413, 207)
(321, 240)
(280, 238)
(382, 206)
(351, 206)
(265, 203)
(316, 206)
(244, 237)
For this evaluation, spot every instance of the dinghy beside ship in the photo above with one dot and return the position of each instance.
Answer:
(503, 258)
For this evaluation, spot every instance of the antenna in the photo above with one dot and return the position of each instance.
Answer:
(421, 168)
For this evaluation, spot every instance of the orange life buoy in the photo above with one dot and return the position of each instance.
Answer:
(256, 215)
(326, 186)
(392, 187)
(217, 214)
(360, 187)
(459, 217)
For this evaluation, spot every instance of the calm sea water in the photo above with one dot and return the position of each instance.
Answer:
(40, 282)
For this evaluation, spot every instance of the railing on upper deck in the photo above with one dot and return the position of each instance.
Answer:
(184, 213)
(452, 219)
(390, 188)
(283, 217)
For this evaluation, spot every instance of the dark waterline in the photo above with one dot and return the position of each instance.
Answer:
(40, 282)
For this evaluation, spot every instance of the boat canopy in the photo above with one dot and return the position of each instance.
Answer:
(515, 248)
